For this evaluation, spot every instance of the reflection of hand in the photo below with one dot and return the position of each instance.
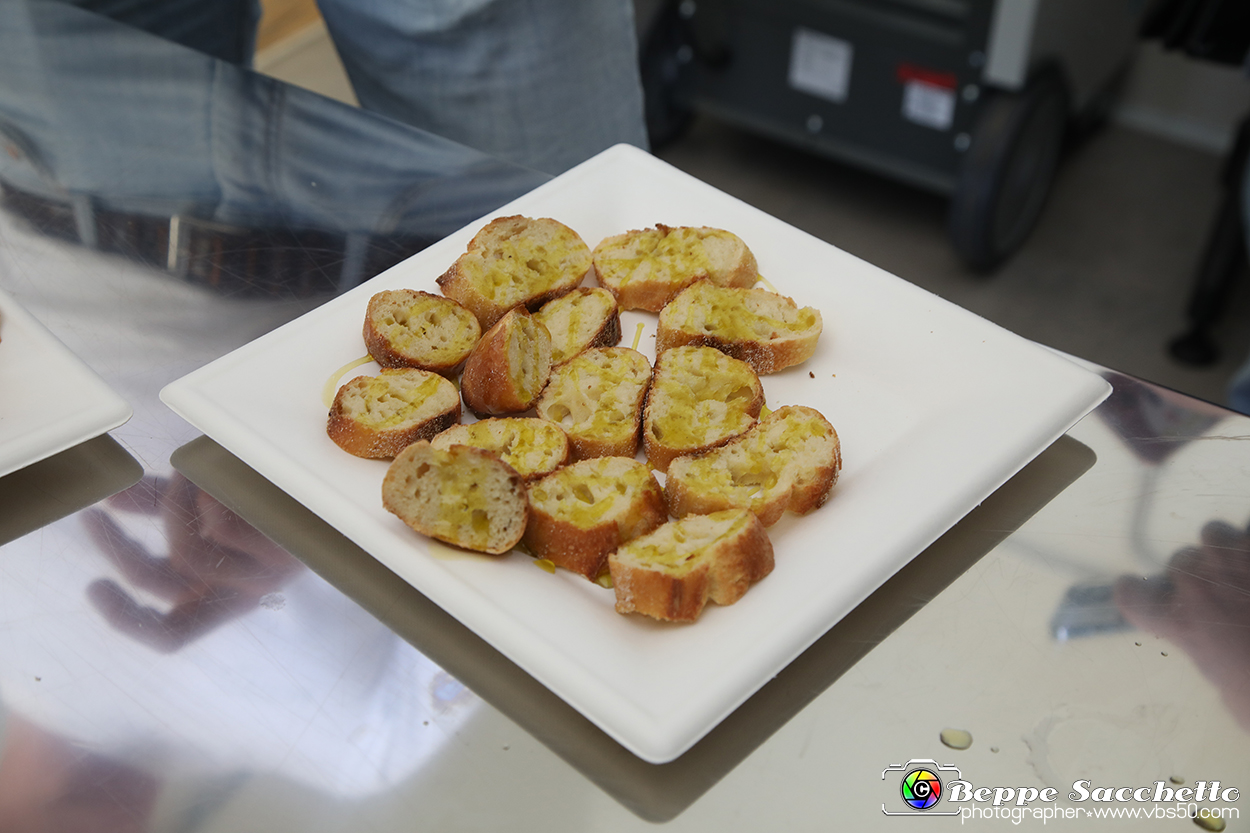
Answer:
(1202, 604)
(218, 565)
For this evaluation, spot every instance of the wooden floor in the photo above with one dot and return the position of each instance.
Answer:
(282, 19)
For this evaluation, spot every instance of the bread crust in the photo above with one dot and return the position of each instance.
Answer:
(516, 261)
(578, 534)
(462, 495)
(645, 268)
(753, 334)
(508, 367)
(410, 328)
(353, 431)
(597, 398)
(702, 399)
(789, 461)
(731, 551)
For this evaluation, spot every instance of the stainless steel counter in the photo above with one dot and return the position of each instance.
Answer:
(185, 648)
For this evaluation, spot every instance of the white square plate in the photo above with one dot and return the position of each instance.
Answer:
(49, 399)
(935, 408)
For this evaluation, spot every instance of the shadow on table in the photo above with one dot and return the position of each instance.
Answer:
(654, 792)
(64, 483)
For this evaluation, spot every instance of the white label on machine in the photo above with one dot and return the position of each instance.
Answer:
(820, 64)
(928, 104)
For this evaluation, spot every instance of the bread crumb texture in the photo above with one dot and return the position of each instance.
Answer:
(376, 416)
(534, 447)
(409, 328)
(578, 320)
(462, 495)
(584, 511)
(699, 398)
(597, 399)
(672, 572)
(515, 261)
(645, 268)
(769, 331)
(789, 461)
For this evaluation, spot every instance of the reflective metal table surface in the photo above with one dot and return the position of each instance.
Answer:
(185, 648)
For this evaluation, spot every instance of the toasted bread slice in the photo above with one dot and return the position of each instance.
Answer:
(644, 269)
(699, 399)
(408, 328)
(508, 367)
(516, 261)
(597, 399)
(790, 460)
(584, 511)
(766, 330)
(462, 495)
(672, 572)
(534, 447)
(378, 416)
(584, 318)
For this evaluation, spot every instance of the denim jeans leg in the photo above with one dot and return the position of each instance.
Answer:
(224, 29)
(541, 83)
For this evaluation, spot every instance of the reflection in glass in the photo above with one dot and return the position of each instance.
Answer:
(1201, 603)
(1198, 597)
(132, 145)
(206, 654)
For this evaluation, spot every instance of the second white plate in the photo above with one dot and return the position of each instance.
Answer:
(49, 399)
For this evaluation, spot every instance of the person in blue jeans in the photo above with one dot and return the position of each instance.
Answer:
(125, 137)
(541, 83)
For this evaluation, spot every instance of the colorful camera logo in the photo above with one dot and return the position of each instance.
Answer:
(921, 789)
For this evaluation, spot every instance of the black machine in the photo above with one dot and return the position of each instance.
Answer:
(967, 98)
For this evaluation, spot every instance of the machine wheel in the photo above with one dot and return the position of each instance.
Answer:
(666, 46)
(1007, 171)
